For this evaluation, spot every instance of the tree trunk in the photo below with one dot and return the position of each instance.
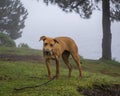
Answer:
(106, 23)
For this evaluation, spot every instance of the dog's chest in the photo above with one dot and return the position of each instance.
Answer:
(50, 57)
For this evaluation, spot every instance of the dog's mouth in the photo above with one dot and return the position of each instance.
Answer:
(48, 53)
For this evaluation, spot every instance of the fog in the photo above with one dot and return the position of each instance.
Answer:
(53, 22)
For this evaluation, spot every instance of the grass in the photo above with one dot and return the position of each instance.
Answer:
(17, 74)
(19, 51)
(111, 68)
(20, 74)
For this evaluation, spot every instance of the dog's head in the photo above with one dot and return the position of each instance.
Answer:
(48, 45)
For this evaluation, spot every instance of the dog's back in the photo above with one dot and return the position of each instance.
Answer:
(68, 43)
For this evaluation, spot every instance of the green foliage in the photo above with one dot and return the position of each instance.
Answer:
(23, 45)
(12, 17)
(16, 74)
(21, 74)
(85, 8)
(5, 40)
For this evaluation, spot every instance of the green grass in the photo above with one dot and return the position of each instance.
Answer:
(20, 74)
(111, 68)
(19, 51)
(17, 74)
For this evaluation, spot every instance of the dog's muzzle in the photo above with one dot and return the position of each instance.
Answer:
(48, 52)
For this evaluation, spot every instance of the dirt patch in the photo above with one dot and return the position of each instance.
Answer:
(9, 57)
(101, 90)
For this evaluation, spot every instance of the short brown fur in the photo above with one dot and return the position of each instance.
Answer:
(54, 48)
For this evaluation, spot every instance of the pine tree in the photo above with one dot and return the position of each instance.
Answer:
(12, 17)
(110, 12)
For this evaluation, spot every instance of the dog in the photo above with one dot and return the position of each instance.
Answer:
(55, 48)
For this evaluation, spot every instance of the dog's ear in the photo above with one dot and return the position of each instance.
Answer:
(56, 41)
(42, 38)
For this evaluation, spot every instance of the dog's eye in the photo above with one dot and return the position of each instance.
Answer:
(45, 44)
(51, 45)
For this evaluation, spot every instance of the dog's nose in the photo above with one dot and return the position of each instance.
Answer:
(47, 52)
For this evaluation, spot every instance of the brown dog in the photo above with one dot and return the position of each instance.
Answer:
(54, 48)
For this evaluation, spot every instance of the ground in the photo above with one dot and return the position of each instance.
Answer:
(25, 68)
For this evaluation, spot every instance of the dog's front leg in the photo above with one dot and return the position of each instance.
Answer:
(48, 68)
(57, 67)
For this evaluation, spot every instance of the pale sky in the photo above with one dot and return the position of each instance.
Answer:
(53, 22)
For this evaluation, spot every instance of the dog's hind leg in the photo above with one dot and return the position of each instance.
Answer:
(65, 57)
(77, 60)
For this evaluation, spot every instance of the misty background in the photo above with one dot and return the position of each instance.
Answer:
(53, 22)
